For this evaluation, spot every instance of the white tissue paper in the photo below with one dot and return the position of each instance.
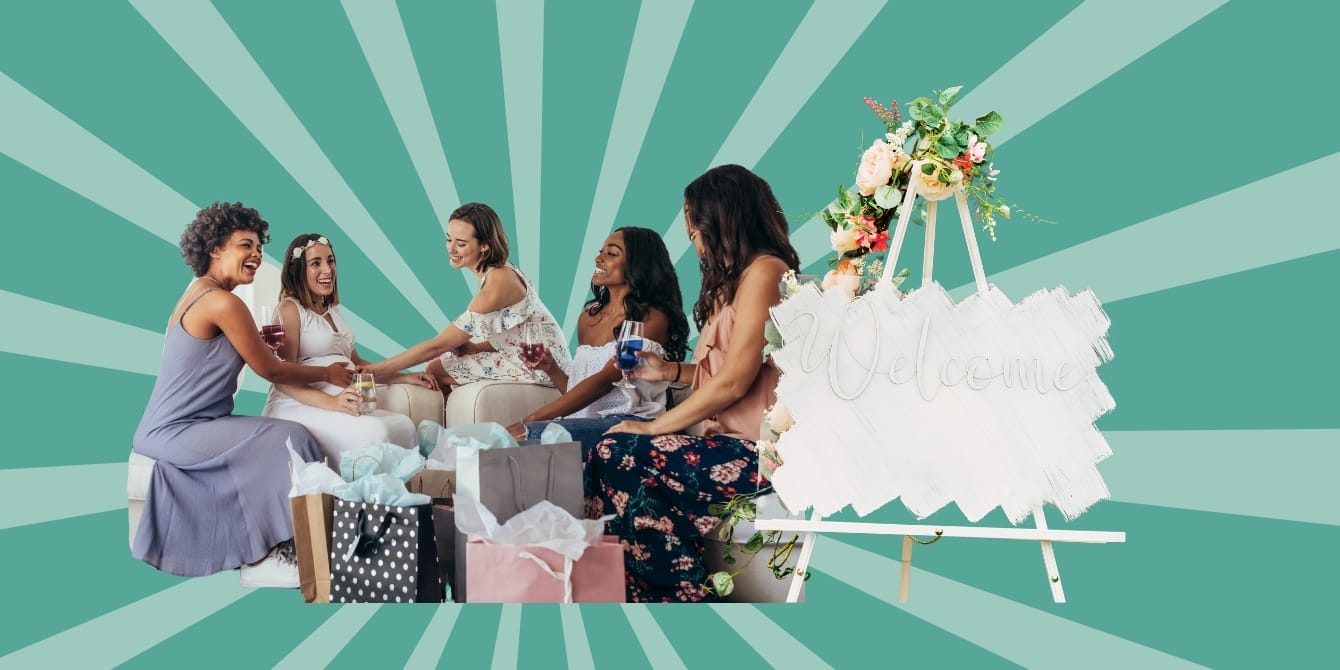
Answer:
(387, 459)
(468, 442)
(555, 434)
(314, 477)
(543, 525)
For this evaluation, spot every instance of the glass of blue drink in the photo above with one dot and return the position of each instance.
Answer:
(625, 355)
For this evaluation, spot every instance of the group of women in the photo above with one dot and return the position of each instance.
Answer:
(217, 499)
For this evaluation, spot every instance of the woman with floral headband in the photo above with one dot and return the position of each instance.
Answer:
(657, 481)
(218, 497)
(506, 305)
(315, 333)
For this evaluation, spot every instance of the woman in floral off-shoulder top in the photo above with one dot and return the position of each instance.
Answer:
(505, 307)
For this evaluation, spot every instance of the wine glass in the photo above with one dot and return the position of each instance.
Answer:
(366, 385)
(532, 345)
(625, 355)
(272, 329)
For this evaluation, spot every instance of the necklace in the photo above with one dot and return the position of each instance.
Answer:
(216, 282)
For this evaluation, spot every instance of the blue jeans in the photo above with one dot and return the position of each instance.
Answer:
(586, 431)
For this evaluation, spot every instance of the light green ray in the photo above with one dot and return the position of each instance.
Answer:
(63, 337)
(770, 640)
(824, 35)
(51, 144)
(508, 642)
(1277, 474)
(326, 642)
(521, 43)
(1092, 42)
(120, 635)
(434, 639)
(1022, 634)
(381, 34)
(195, 30)
(101, 487)
(660, 25)
(660, 653)
(1211, 238)
(576, 645)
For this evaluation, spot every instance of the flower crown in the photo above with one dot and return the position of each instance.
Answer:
(299, 251)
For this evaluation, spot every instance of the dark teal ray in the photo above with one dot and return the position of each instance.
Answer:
(585, 53)
(388, 639)
(456, 49)
(1215, 354)
(1156, 135)
(1185, 583)
(541, 643)
(471, 641)
(613, 644)
(51, 556)
(250, 642)
(702, 639)
(844, 627)
(162, 107)
(329, 85)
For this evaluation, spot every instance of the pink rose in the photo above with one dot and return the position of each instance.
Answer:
(876, 168)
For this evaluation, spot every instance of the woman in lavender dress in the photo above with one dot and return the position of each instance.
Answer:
(218, 498)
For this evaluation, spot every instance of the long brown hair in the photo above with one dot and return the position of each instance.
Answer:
(488, 231)
(738, 219)
(293, 279)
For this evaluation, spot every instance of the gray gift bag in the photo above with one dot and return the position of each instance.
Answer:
(513, 480)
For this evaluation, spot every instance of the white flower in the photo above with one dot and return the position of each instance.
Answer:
(299, 251)
(779, 419)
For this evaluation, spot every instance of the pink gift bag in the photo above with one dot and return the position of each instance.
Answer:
(502, 573)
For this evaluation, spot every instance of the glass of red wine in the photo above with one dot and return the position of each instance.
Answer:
(272, 330)
(532, 345)
(625, 353)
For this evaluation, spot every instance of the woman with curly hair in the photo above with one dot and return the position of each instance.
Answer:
(633, 280)
(657, 481)
(499, 314)
(317, 334)
(218, 497)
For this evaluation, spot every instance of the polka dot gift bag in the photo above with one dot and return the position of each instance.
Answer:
(383, 554)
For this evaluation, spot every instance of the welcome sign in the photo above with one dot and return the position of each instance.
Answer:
(984, 403)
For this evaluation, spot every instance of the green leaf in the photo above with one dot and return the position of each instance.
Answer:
(948, 96)
(922, 109)
(948, 147)
(887, 196)
(716, 509)
(927, 168)
(755, 544)
(987, 124)
(723, 583)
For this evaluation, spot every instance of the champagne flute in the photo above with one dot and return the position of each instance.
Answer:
(625, 356)
(272, 330)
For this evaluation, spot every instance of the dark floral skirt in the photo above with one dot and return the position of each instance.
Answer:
(658, 488)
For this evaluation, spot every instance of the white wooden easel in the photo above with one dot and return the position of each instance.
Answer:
(1040, 533)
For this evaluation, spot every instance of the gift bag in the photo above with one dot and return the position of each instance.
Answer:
(311, 540)
(512, 480)
(383, 553)
(440, 485)
(503, 573)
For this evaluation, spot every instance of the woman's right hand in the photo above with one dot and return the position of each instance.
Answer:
(339, 375)
(653, 368)
(346, 401)
(546, 365)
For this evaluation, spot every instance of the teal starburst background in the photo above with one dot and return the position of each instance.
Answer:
(1183, 148)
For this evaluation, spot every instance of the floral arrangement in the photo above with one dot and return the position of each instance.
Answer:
(951, 155)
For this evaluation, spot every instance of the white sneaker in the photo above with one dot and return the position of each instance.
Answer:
(276, 570)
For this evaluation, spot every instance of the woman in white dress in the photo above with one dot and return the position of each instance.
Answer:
(633, 279)
(500, 314)
(315, 333)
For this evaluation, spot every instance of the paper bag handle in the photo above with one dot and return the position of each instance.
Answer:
(515, 468)
(366, 543)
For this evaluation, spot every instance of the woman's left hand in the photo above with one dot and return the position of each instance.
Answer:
(418, 379)
(634, 427)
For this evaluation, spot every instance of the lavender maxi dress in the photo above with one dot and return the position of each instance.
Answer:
(218, 498)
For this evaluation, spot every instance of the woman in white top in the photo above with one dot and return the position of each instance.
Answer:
(505, 307)
(315, 333)
(634, 279)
